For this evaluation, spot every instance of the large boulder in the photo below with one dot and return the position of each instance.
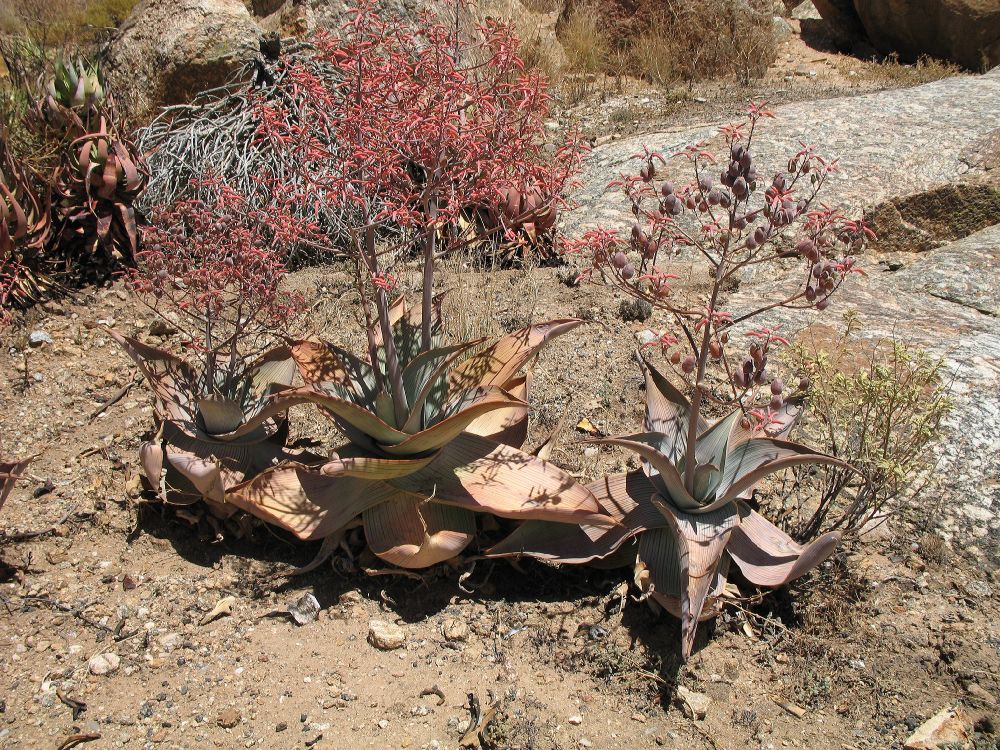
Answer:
(842, 22)
(965, 31)
(169, 50)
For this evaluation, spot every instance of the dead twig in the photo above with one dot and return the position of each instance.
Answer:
(77, 612)
(78, 739)
(118, 396)
(77, 707)
(435, 690)
(25, 535)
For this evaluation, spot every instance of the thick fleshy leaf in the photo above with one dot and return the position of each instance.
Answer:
(424, 375)
(10, 472)
(408, 532)
(173, 381)
(667, 411)
(336, 400)
(475, 473)
(712, 444)
(320, 362)
(767, 556)
(626, 498)
(753, 460)
(349, 462)
(702, 540)
(647, 445)
(219, 415)
(713, 602)
(508, 426)
(305, 502)
(276, 367)
(500, 362)
(469, 406)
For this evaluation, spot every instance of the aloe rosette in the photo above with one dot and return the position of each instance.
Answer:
(417, 482)
(212, 436)
(682, 542)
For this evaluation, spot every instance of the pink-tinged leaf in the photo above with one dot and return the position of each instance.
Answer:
(407, 532)
(104, 226)
(478, 401)
(767, 556)
(275, 367)
(502, 361)
(204, 474)
(337, 402)
(127, 217)
(348, 462)
(132, 180)
(667, 411)
(713, 602)
(475, 473)
(701, 542)
(219, 415)
(753, 460)
(508, 426)
(305, 502)
(151, 460)
(320, 362)
(424, 375)
(647, 444)
(626, 498)
(172, 380)
(10, 472)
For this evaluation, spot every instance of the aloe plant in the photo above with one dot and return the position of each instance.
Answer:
(25, 226)
(417, 478)
(76, 84)
(97, 184)
(682, 541)
(215, 429)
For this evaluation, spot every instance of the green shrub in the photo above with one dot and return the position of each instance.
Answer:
(879, 407)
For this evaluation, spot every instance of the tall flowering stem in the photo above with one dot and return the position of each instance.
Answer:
(735, 220)
(419, 129)
(212, 268)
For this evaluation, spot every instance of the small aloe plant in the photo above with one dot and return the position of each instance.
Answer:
(418, 478)
(687, 509)
(214, 431)
(682, 542)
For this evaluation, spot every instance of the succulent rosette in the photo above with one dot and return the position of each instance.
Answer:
(682, 542)
(417, 481)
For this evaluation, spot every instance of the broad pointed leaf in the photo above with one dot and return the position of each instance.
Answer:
(320, 362)
(753, 460)
(647, 445)
(475, 473)
(336, 400)
(305, 502)
(173, 381)
(626, 498)
(508, 426)
(408, 532)
(702, 540)
(472, 404)
(767, 556)
(426, 374)
(667, 411)
(500, 362)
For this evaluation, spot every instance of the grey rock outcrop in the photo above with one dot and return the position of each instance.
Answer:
(889, 144)
(169, 50)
